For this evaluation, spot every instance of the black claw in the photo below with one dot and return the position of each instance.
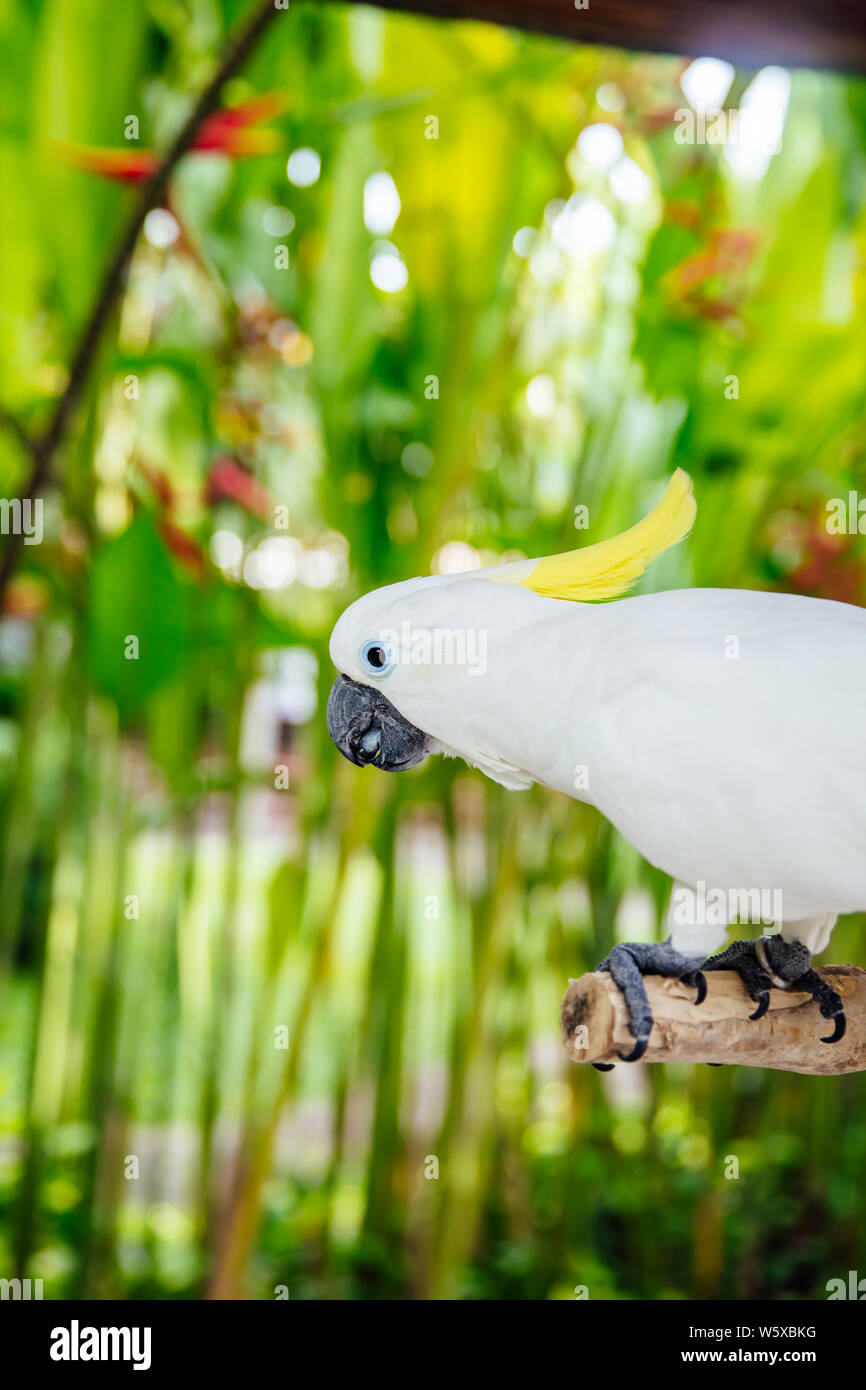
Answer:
(838, 1029)
(714, 1064)
(602, 1066)
(763, 1005)
(628, 963)
(637, 1052)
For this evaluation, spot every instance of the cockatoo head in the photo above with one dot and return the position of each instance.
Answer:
(417, 659)
(423, 663)
(364, 721)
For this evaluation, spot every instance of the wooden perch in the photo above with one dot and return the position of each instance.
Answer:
(787, 1038)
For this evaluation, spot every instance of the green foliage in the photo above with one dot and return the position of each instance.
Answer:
(135, 596)
(191, 876)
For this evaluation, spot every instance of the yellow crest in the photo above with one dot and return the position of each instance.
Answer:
(609, 568)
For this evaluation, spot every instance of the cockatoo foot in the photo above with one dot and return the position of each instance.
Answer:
(742, 958)
(770, 961)
(627, 964)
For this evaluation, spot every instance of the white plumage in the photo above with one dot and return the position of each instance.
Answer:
(721, 731)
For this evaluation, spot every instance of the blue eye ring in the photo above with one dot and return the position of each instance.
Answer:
(372, 666)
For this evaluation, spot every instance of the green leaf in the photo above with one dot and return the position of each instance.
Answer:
(135, 594)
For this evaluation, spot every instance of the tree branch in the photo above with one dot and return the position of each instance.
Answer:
(787, 1038)
(44, 448)
(12, 425)
(794, 33)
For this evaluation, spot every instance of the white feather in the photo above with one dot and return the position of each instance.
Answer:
(721, 731)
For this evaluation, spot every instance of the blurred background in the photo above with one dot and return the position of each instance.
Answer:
(270, 1025)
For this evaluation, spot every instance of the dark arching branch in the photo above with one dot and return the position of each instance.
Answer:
(44, 447)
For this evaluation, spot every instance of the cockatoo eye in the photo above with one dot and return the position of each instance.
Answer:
(376, 658)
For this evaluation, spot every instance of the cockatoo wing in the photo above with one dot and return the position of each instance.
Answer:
(728, 741)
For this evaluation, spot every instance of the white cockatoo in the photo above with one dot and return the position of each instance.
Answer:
(722, 732)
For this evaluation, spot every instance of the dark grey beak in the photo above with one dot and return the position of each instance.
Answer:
(367, 728)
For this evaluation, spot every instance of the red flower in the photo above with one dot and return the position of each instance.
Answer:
(182, 546)
(228, 480)
(225, 132)
(160, 483)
